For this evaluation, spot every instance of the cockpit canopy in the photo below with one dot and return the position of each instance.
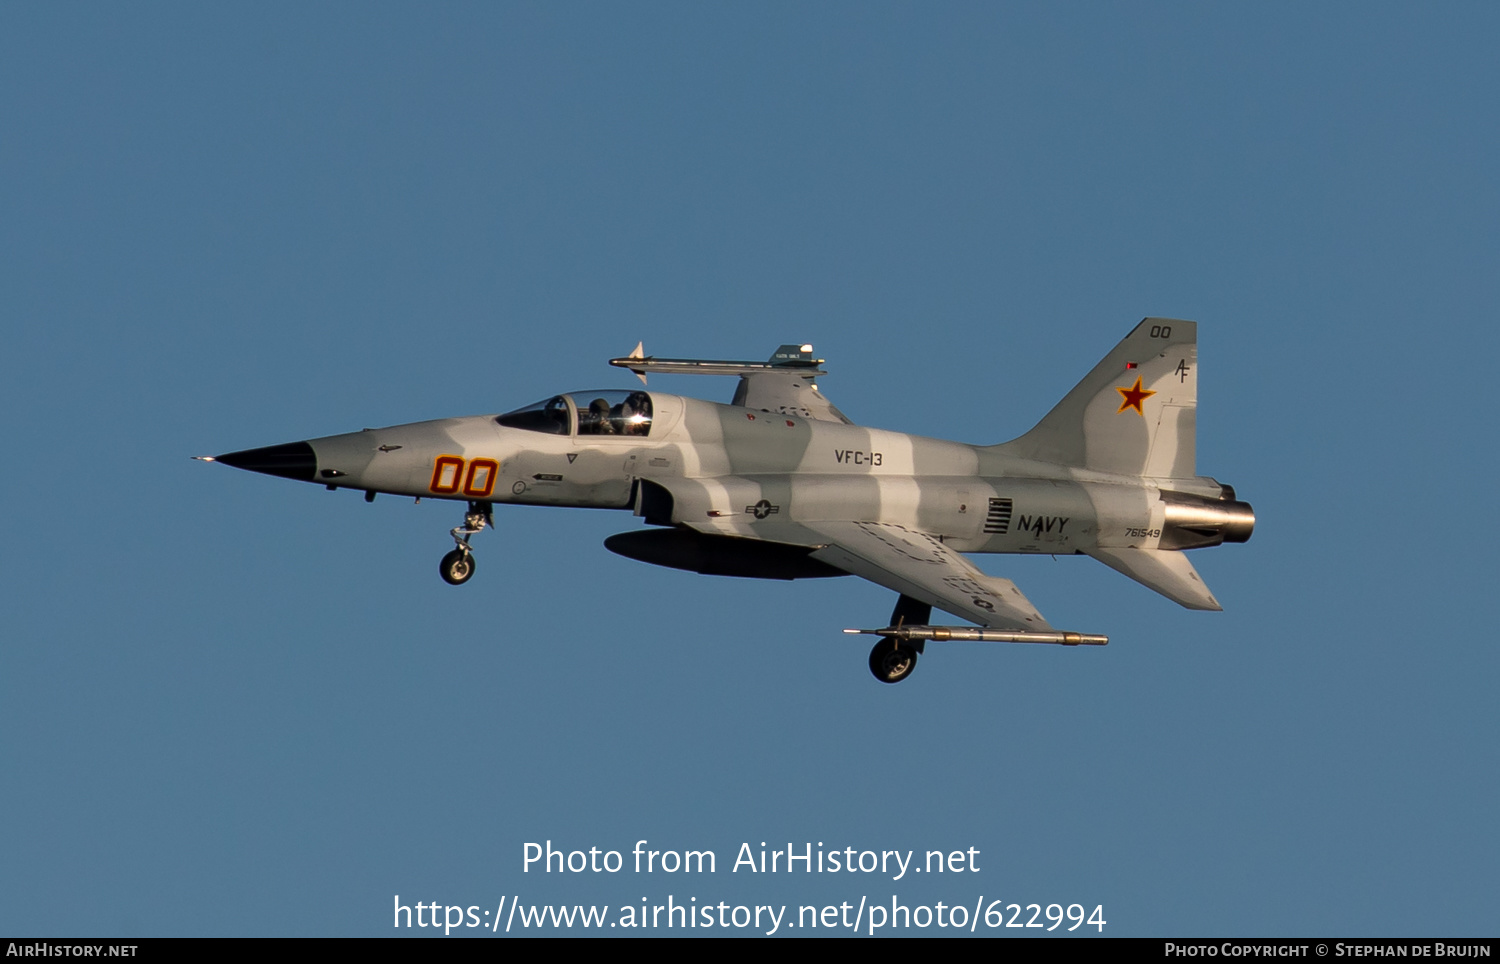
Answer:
(607, 413)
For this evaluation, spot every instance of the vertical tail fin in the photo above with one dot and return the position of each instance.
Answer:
(1134, 414)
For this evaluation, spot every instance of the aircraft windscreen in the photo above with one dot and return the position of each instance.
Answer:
(550, 416)
(608, 412)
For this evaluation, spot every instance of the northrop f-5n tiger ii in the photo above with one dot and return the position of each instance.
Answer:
(779, 484)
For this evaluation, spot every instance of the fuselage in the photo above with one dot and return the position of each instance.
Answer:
(779, 484)
(743, 472)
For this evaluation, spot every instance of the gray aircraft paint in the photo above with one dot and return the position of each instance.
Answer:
(1108, 472)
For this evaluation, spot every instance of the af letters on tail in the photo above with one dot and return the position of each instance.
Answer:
(779, 484)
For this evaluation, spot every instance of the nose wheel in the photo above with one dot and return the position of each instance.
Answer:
(457, 566)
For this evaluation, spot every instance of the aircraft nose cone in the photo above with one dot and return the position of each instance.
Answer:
(294, 460)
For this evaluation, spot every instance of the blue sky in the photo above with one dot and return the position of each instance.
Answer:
(232, 704)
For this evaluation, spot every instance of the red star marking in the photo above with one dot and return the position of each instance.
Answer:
(1132, 397)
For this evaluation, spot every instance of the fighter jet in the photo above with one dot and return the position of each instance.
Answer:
(779, 484)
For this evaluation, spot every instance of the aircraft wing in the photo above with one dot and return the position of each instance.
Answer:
(921, 566)
(908, 561)
(787, 394)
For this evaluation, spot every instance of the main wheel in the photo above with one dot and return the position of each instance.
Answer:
(456, 567)
(890, 663)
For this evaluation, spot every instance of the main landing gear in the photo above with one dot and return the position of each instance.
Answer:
(457, 566)
(893, 660)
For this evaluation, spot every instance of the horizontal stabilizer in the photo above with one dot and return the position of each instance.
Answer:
(1168, 571)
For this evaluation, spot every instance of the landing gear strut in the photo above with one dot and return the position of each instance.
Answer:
(457, 566)
(893, 660)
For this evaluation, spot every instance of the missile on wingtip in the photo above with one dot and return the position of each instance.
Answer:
(973, 634)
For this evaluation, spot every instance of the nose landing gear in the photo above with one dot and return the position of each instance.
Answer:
(457, 566)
